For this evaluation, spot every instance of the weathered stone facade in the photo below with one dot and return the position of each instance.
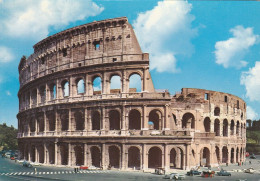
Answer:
(62, 125)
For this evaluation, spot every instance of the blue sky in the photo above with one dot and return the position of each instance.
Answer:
(212, 45)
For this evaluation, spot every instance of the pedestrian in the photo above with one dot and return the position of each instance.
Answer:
(35, 170)
(249, 162)
(75, 169)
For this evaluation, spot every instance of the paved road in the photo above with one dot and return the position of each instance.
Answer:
(11, 171)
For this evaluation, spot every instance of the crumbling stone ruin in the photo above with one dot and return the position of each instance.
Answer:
(65, 119)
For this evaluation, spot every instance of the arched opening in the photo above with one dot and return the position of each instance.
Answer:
(80, 86)
(32, 125)
(64, 117)
(155, 157)
(134, 120)
(205, 157)
(225, 127)
(217, 127)
(232, 156)
(51, 151)
(97, 85)
(224, 154)
(237, 156)
(43, 94)
(95, 118)
(65, 88)
(207, 124)
(115, 84)
(114, 120)
(114, 156)
(79, 155)
(80, 120)
(32, 153)
(232, 129)
(40, 120)
(95, 156)
(64, 154)
(237, 130)
(135, 83)
(34, 97)
(217, 153)
(41, 154)
(173, 158)
(241, 155)
(188, 121)
(51, 120)
(155, 119)
(216, 111)
(53, 91)
(134, 157)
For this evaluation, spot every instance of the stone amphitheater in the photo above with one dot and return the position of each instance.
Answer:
(70, 114)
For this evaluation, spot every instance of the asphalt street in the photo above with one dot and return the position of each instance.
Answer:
(11, 171)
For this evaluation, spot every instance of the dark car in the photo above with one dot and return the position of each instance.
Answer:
(193, 172)
(27, 164)
(224, 173)
(252, 156)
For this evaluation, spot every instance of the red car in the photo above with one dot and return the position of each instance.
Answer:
(247, 154)
(12, 158)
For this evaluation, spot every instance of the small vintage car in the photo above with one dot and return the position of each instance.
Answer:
(193, 172)
(223, 173)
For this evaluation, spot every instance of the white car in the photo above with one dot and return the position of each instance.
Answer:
(170, 176)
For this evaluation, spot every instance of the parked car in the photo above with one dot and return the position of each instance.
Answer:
(252, 156)
(12, 158)
(170, 176)
(193, 172)
(250, 170)
(223, 173)
(27, 164)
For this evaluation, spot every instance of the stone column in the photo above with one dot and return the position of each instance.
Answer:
(188, 156)
(86, 120)
(44, 122)
(104, 84)
(145, 120)
(124, 82)
(56, 153)
(166, 157)
(37, 96)
(235, 155)
(45, 153)
(145, 157)
(103, 121)
(85, 154)
(123, 122)
(166, 118)
(228, 155)
(71, 87)
(69, 126)
(69, 154)
(124, 157)
(104, 156)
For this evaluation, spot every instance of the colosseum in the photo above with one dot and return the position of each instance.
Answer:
(70, 114)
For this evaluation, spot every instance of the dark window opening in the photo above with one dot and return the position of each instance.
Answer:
(237, 104)
(114, 59)
(64, 52)
(42, 60)
(206, 96)
(97, 45)
(79, 64)
(226, 99)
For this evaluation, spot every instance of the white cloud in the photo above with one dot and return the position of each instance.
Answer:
(5, 55)
(165, 32)
(30, 18)
(251, 81)
(251, 114)
(231, 52)
(8, 93)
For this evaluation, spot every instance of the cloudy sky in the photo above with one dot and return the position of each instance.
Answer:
(212, 45)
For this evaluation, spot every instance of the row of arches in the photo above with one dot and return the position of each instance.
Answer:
(46, 93)
(234, 127)
(114, 156)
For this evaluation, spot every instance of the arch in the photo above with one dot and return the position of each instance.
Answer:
(134, 119)
(34, 97)
(51, 120)
(134, 157)
(40, 150)
(79, 155)
(155, 157)
(224, 154)
(237, 128)
(43, 94)
(114, 156)
(53, 91)
(64, 154)
(232, 127)
(51, 151)
(217, 153)
(114, 120)
(173, 157)
(80, 86)
(97, 85)
(95, 156)
(32, 125)
(217, 127)
(207, 124)
(40, 121)
(188, 121)
(64, 117)
(155, 119)
(32, 153)
(237, 155)
(135, 83)
(232, 156)
(225, 127)
(115, 84)
(205, 157)
(95, 119)
(65, 88)
(79, 120)
(216, 111)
